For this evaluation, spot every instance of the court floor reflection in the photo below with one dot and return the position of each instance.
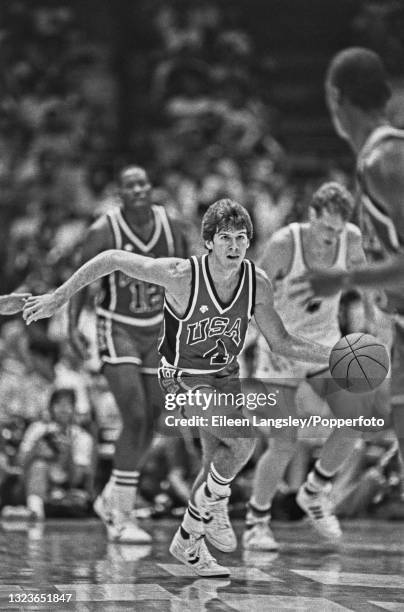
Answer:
(365, 573)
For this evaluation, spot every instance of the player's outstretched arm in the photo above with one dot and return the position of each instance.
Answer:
(324, 283)
(12, 303)
(382, 276)
(159, 271)
(278, 338)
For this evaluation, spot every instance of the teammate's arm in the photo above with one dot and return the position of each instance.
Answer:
(97, 239)
(278, 338)
(12, 303)
(165, 272)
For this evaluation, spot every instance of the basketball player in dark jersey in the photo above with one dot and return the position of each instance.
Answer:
(357, 94)
(12, 303)
(129, 315)
(209, 302)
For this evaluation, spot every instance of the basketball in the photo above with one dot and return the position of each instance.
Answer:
(359, 362)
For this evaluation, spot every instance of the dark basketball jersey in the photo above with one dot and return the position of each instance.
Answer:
(124, 298)
(210, 334)
(388, 225)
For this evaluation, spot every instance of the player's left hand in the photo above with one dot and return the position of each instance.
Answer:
(317, 284)
(40, 307)
(13, 303)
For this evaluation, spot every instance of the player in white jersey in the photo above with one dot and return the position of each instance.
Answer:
(327, 240)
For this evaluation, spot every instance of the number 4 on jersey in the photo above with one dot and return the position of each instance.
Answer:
(218, 354)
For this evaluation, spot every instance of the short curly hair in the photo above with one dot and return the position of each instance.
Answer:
(225, 214)
(360, 76)
(334, 198)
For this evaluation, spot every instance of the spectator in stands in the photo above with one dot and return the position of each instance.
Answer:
(56, 455)
(26, 372)
(11, 432)
(170, 467)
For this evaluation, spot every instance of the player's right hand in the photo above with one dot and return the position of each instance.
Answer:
(40, 307)
(79, 343)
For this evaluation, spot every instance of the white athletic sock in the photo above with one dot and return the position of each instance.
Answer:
(216, 485)
(256, 513)
(318, 479)
(122, 489)
(192, 522)
(36, 505)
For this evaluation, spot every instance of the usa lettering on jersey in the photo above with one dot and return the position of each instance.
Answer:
(210, 334)
(217, 326)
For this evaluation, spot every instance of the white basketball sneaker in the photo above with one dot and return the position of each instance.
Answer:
(215, 517)
(320, 511)
(259, 536)
(121, 528)
(194, 553)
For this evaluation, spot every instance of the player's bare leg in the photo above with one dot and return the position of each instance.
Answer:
(207, 512)
(268, 474)
(116, 502)
(223, 459)
(188, 544)
(314, 495)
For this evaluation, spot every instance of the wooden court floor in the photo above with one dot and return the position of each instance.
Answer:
(365, 573)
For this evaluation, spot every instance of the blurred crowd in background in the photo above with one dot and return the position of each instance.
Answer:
(205, 126)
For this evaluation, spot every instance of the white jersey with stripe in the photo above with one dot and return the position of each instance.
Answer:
(126, 299)
(318, 321)
(210, 335)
